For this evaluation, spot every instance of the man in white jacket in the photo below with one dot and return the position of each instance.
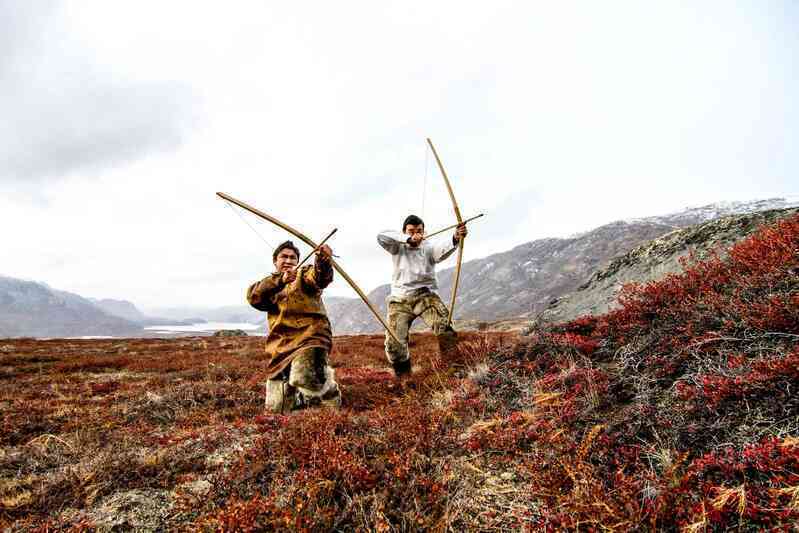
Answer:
(413, 287)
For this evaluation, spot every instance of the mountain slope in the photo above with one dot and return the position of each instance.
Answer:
(121, 308)
(656, 259)
(30, 309)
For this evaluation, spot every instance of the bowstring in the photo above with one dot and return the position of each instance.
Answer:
(248, 224)
(424, 188)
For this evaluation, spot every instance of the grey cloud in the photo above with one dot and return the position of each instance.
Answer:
(62, 113)
(48, 136)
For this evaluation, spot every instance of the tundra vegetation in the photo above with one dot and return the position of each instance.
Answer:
(676, 411)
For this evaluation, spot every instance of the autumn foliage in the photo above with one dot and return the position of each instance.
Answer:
(676, 411)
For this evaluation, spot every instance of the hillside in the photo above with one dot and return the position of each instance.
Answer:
(523, 281)
(656, 259)
(121, 308)
(33, 309)
(128, 311)
(228, 313)
(676, 411)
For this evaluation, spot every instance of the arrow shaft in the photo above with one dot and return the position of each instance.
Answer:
(453, 226)
(315, 249)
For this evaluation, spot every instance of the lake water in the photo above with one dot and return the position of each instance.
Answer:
(206, 327)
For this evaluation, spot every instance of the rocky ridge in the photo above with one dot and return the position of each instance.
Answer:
(655, 259)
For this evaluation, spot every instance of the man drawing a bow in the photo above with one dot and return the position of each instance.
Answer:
(300, 337)
(413, 288)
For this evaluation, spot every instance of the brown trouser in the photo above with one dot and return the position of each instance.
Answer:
(401, 314)
(309, 374)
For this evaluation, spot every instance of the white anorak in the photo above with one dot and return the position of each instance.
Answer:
(414, 268)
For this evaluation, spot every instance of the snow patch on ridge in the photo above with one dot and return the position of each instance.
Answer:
(720, 209)
(486, 268)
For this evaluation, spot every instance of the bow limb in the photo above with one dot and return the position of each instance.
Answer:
(312, 244)
(458, 217)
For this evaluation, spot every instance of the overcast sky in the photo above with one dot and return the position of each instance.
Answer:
(120, 120)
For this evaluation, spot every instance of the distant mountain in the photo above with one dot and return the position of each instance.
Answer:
(526, 279)
(121, 308)
(657, 258)
(129, 311)
(31, 309)
(243, 313)
(228, 313)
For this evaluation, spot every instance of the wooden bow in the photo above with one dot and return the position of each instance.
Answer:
(458, 217)
(312, 244)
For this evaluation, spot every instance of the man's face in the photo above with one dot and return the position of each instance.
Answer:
(286, 260)
(412, 230)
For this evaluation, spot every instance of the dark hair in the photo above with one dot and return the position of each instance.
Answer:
(283, 246)
(413, 220)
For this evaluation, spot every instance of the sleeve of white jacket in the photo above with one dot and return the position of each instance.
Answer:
(391, 240)
(441, 249)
